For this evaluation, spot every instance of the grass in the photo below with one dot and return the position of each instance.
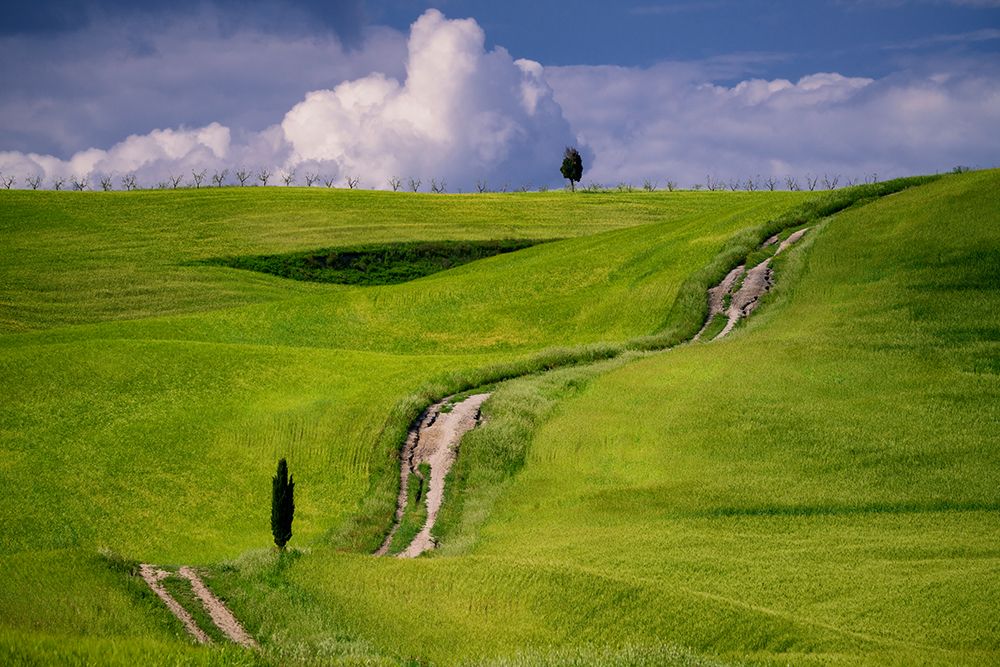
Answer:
(378, 264)
(180, 589)
(763, 498)
(415, 513)
(718, 323)
(820, 487)
(147, 398)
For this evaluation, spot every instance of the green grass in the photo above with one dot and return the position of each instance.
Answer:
(377, 264)
(415, 513)
(180, 589)
(147, 398)
(716, 326)
(819, 486)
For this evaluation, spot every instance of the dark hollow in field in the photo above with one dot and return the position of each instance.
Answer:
(376, 264)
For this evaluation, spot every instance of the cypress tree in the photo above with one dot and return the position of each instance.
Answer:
(282, 505)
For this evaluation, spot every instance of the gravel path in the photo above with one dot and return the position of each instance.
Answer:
(435, 436)
(407, 467)
(438, 446)
(153, 576)
(221, 616)
(433, 439)
(757, 283)
(717, 296)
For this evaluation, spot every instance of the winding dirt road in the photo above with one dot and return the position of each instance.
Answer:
(756, 283)
(437, 445)
(217, 610)
(153, 576)
(433, 439)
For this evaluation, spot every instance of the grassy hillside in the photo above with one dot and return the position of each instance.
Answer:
(821, 487)
(146, 396)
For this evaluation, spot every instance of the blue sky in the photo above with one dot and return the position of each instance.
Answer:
(863, 37)
(859, 37)
(648, 89)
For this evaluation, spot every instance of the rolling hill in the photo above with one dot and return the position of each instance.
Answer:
(819, 486)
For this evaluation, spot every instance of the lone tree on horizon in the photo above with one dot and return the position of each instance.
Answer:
(282, 505)
(572, 167)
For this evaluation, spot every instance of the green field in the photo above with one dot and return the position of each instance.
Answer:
(820, 486)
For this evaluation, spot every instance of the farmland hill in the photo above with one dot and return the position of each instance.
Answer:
(821, 485)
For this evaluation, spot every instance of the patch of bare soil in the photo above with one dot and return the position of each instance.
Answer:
(717, 297)
(153, 576)
(434, 440)
(407, 467)
(217, 610)
(791, 240)
(758, 282)
(438, 446)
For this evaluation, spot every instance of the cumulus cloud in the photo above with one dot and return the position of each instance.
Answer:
(63, 92)
(437, 104)
(459, 115)
(462, 113)
(666, 123)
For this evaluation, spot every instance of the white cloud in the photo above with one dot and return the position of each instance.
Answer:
(448, 109)
(460, 114)
(63, 92)
(661, 123)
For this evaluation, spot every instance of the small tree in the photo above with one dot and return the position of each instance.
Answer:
(288, 177)
(128, 182)
(572, 167)
(219, 177)
(197, 177)
(414, 184)
(311, 177)
(33, 181)
(57, 182)
(395, 182)
(175, 181)
(8, 181)
(438, 188)
(263, 175)
(79, 183)
(282, 505)
(329, 181)
(106, 182)
(352, 182)
(243, 175)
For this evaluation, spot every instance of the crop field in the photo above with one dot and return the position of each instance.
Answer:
(821, 486)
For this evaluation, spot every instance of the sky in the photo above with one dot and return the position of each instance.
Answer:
(468, 92)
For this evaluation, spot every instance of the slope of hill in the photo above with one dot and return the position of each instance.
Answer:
(820, 487)
(146, 397)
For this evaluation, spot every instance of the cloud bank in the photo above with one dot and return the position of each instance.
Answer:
(436, 104)
(666, 123)
(460, 115)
